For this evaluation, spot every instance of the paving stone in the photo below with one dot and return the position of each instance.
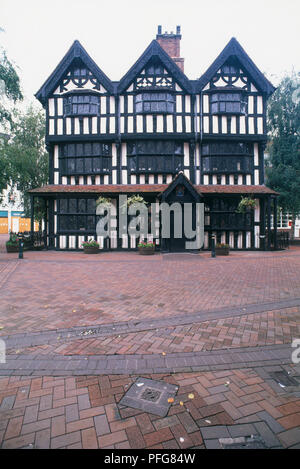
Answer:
(272, 423)
(267, 435)
(214, 432)
(290, 437)
(241, 430)
(101, 425)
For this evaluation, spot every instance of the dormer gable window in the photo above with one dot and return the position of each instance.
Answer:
(82, 105)
(154, 102)
(228, 102)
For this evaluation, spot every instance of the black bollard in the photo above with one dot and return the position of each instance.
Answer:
(21, 249)
(213, 247)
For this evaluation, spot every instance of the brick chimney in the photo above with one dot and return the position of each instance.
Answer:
(170, 42)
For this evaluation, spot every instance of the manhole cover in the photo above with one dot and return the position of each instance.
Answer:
(150, 396)
(283, 378)
(244, 442)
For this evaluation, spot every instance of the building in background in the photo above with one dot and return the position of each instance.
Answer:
(158, 134)
(12, 217)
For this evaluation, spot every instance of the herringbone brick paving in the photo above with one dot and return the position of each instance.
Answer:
(63, 293)
(56, 290)
(49, 412)
(268, 328)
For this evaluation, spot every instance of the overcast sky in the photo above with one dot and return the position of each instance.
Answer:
(115, 33)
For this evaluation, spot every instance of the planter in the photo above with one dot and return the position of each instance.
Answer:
(222, 251)
(91, 250)
(12, 248)
(146, 251)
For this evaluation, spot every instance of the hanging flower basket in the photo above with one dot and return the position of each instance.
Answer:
(222, 249)
(146, 248)
(246, 203)
(104, 202)
(90, 247)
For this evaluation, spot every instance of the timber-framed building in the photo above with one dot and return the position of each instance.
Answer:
(161, 135)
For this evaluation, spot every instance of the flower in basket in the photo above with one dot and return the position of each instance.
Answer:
(146, 244)
(103, 201)
(13, 240)
(91, 243)
(246, 203)
(222, 246)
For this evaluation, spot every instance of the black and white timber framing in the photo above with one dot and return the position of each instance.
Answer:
(137, 135)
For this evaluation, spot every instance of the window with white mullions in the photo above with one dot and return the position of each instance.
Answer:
(154, 102)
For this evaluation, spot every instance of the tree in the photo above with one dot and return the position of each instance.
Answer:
(9, 87)
(11, 93)
(283, 165)
(26, 157)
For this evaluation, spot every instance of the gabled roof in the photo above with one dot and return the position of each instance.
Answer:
(154, 49)
(76, 51)
(233, 48)
(181, 179)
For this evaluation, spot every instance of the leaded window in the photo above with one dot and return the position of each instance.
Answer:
(154, 102)
(223, 215)
(85, 158)
(228, 103)
(77, 215)
(82, 105)
(234, 157)
(155, 157)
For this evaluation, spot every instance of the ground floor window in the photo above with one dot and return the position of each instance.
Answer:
(222, 214)
(77, 215)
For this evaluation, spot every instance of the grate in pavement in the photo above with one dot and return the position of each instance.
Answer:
(284, 379)
(150, 396)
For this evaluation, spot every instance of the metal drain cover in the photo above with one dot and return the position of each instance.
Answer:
(150, 396)
(283, 378)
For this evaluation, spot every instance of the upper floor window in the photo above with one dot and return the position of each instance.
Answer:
(155, 157)
(228, 103)
(85, 158)
(155, 102)
(227, 157)
(82, 105)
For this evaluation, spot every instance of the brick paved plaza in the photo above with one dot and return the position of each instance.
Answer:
(79, 330)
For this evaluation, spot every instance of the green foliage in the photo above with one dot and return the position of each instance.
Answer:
(9, 87)
(283, 166)
(25, 156)
(246, 203)
(91, 243)
(13, 240)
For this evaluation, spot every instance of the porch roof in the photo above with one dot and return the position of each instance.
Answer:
(53, 189)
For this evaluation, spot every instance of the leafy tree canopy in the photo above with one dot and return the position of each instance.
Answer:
(283, 165)
(25, 154)
(9, 87)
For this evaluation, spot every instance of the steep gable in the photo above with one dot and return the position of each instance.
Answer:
(154, 52)
(234, 51)
(75, 57)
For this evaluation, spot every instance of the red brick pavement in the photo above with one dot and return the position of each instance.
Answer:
(268, 328)
(53, 290)
(83, 412)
